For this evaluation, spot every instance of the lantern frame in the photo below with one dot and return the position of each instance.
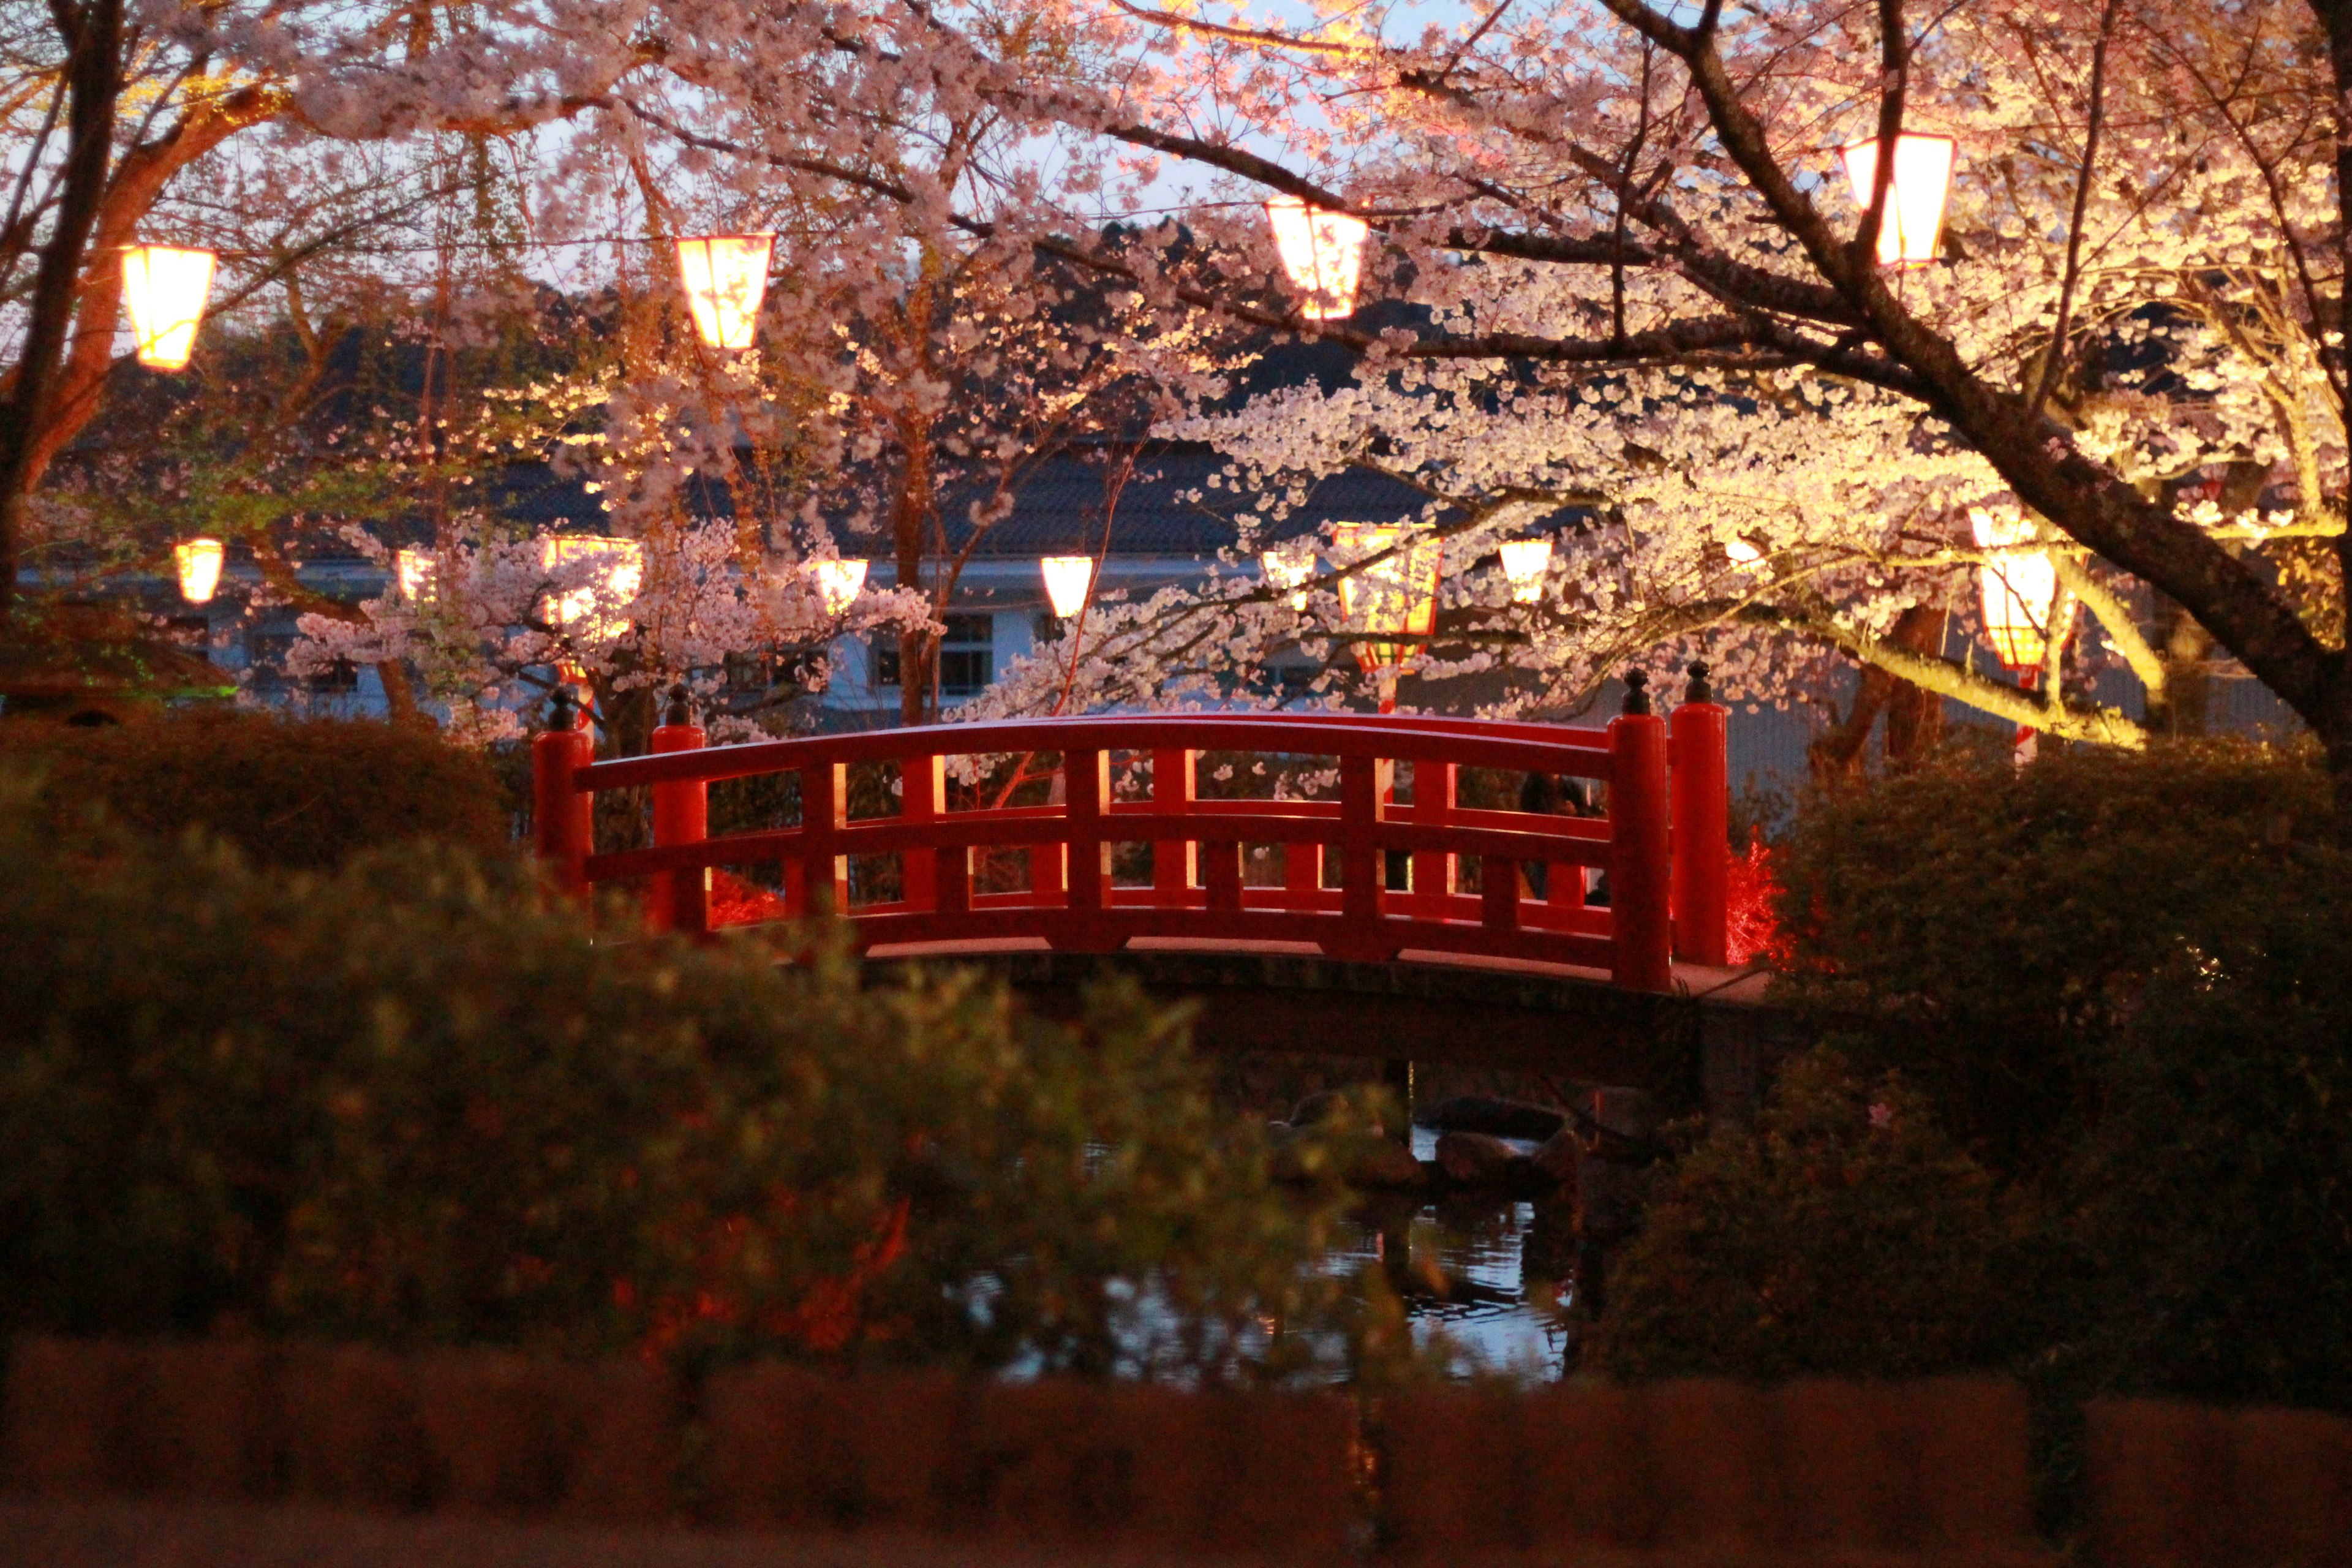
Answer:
(839, 581)
(1069, 580)
(576, 609)
(2023, 607)
(1289, 566)
(1525, 562)
(164, 289)
(197, 563)
(1395, 597)
(725, 277)
(1912, 228)
(1322, 253)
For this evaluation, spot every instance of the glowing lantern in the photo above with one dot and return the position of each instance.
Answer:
(1323, 252)
(726, 277)
(839, 582)
(413, 570)
(620, 572)
(1067, 578)
(1396, 594)
(199, 563)
(1289, 567)
(165, 289)
(1914, 219)
(1743, 551)
(2023, 606)
(1525, 561)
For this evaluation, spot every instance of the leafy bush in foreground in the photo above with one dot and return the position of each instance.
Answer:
(419, 1100)
(287, 791)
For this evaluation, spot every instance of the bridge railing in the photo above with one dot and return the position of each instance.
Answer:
(1661, 844)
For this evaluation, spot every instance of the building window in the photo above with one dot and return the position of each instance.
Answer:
(341, 676)
(967, 659)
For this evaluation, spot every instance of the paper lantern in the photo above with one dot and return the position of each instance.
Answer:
(2023, 606)
(726, 277)
(619, 573)
(1323, 252)
(1289, 566)
(1914, 220)
(1067, 578)
(839, 582)
(1525, 562)
(1743, 551)
(1396, 594)
(199, 563)
(413, 571)
(166, 288)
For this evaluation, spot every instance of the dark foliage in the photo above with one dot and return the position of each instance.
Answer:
(302, 793)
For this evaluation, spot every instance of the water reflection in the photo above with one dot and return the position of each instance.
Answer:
(1490, 1275)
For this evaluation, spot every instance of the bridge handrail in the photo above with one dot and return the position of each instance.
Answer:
(1666, 885)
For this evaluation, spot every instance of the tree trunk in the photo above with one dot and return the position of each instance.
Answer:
(93, 79)
(909, 511)
(1914, 717)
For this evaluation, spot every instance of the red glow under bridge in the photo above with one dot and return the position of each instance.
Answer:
(1663, 842)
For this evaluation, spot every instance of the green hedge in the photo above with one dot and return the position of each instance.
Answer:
(420, 1100)
(288, 791)
(2121, 983)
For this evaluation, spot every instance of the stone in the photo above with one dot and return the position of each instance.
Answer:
(1386, 1165)
(1556, 1161)
(1496, 1118)
(1476, 1160)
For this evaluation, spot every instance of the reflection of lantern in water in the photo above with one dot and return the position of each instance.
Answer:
(726, 276)
(1396, 594)
(1067, 578)
(1915, 193)
(1323, 252)
(620, 572)
(1289, 566)
(166, 288)
(413, 571)
(198, 561)
(839, 582)
(2023, 606)
(1525, 561)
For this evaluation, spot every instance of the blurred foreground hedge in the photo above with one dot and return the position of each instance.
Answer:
(2083, 1104)
(285, 791)
(419, 1100)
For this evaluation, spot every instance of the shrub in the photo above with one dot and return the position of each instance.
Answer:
(1843, 1233)
(1985, 929)
(287, 791)
(418, 1100)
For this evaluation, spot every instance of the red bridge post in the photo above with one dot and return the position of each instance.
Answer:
(1640, 859)
(1702, 830)
(562, 814)
(1172, 859)
(680, 899)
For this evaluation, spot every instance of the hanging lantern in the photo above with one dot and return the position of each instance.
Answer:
(2023, 606)
(413, 571)
(1913, 223)
(1525, 562)
(199, 564)
(726, 277)
(1289, 566)
(1067, 578)
(1743, 551)
(1396, 594)
(839, 582)
(620, 572)
(1323, 252)
(165, 289)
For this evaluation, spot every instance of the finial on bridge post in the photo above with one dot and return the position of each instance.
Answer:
(562, 714)
(682, 706)
(1697, 691)
(1637, 700)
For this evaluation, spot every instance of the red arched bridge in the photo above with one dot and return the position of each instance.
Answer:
(1133, 780)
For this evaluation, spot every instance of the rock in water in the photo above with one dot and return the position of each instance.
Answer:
(1496, 1118)
(1475, 1159)
(1386, 1165)
(1556, 1162)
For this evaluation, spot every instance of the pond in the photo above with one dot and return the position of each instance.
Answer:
(1489, 1275)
